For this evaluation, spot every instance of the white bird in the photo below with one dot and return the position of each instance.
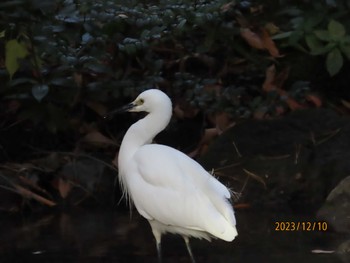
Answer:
(168, 188)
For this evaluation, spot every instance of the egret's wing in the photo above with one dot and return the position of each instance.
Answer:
(173, 189)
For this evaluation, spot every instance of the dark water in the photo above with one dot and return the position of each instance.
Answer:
(102, 236)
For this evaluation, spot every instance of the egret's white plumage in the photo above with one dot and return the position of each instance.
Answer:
(172, 191)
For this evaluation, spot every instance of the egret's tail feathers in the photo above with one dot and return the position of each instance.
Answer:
(229, 234)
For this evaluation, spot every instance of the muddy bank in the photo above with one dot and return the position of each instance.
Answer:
(293, 163)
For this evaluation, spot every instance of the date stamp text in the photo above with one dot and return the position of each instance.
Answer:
(308, 226)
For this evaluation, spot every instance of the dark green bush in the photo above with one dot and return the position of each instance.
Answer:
(60, 57)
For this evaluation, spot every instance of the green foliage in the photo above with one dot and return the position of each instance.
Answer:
(330, 42)
(321, 29)
(63, 56)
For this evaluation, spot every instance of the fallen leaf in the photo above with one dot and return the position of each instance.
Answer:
(223, 121)
(314, 99)
(253, 39)
(226, 7)
(270, 75)
(275, 82)
(260, 39)
(64, 187)
(281, 78)
(269, 44)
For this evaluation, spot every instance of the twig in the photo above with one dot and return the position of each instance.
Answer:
(256, 177)
(29, 194)
(225, 167)
(279, 157)
(331, 135)
(236, 148)
(297, 153)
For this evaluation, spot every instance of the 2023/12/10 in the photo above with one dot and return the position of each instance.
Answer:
(301, 226)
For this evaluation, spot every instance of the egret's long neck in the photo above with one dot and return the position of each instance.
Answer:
(143, 132)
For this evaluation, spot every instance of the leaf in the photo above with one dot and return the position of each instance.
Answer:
(14, 51)
(39, 91)
(312, 21)
(2, 33)
(295, 37)
(131, 49)
(97, 68)
(336, 29)
(282, 35)
(334, 62)
(22, 81)
(181, 25)
(86, 38)
(323, 35)
(346, 50)
(323, 49)
(313, 42)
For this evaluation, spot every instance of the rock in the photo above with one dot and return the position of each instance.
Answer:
(344, 248)
(336, 209)
(343, 251)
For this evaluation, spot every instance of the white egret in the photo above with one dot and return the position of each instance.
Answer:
(172, 191)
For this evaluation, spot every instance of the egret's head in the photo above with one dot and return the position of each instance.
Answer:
(151, 100)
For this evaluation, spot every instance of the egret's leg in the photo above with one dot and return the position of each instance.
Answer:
(187, 242)
(158, 237)
(159, 251)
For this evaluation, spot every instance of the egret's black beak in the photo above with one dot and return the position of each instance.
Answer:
(125, 108)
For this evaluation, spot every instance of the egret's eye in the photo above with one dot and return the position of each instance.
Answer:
(141, 101)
